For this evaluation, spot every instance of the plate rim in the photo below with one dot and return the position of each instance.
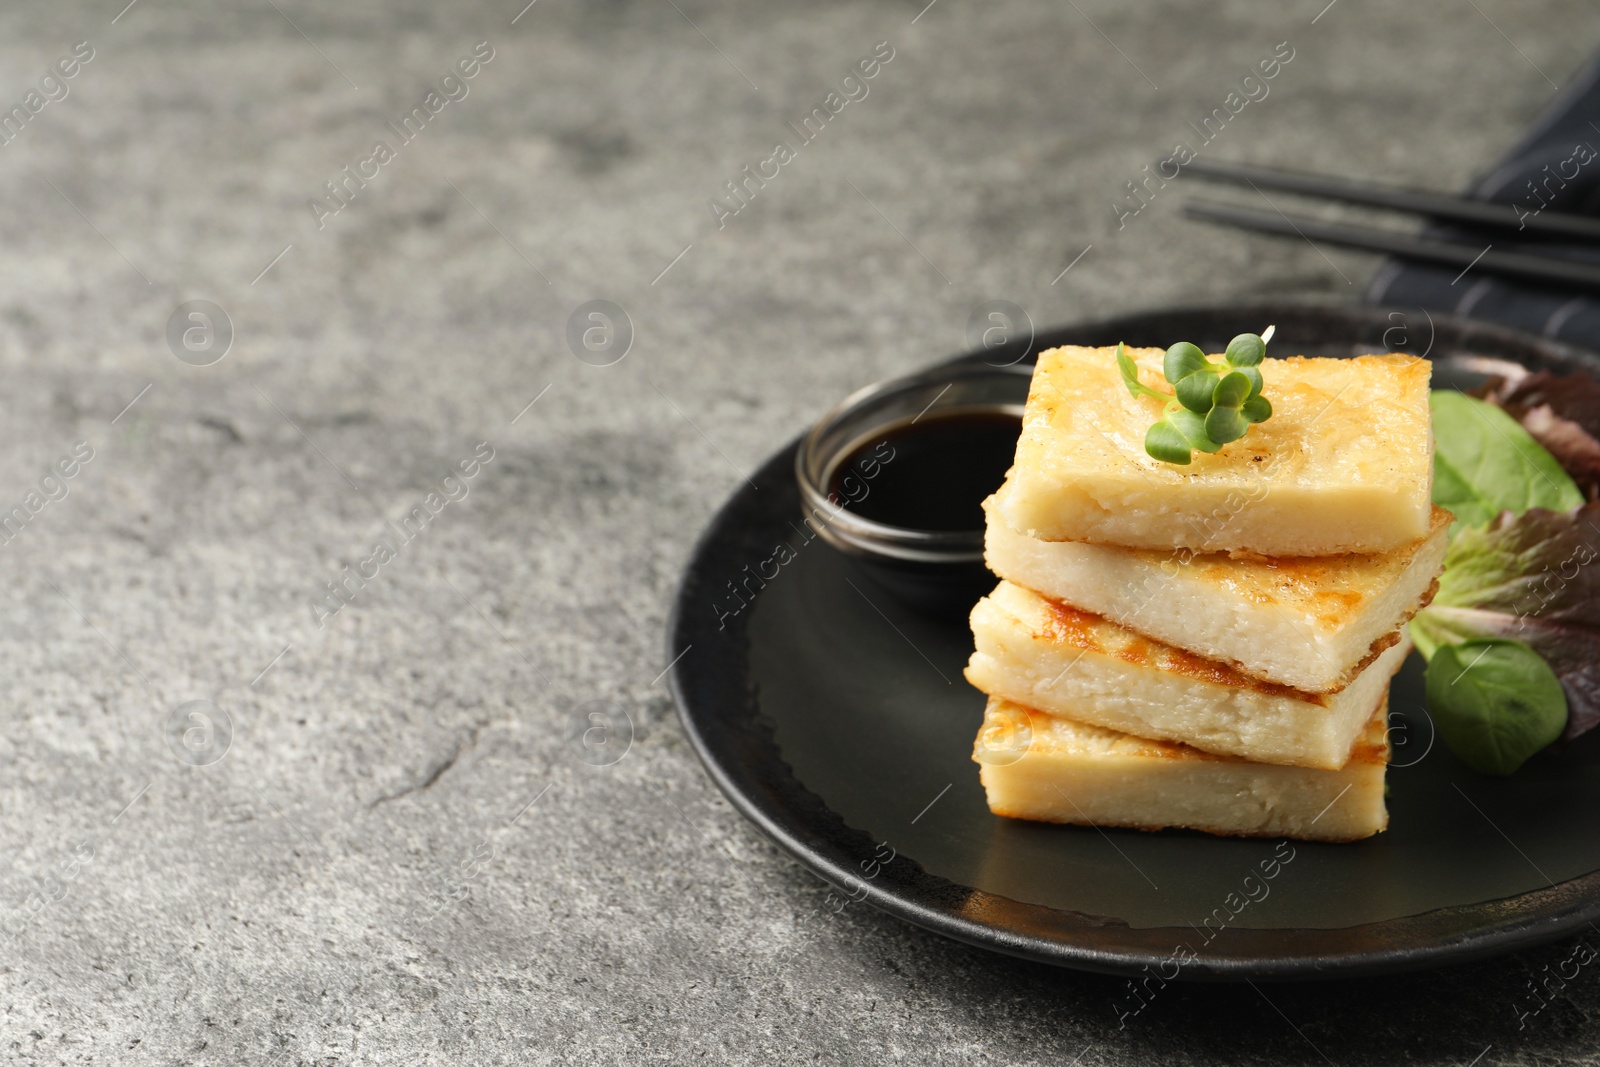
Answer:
(1439, 937)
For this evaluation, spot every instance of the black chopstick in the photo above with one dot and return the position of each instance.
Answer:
(1415, 201)
(1513, 264)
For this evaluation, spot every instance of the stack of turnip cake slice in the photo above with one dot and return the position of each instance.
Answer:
(1206, 646)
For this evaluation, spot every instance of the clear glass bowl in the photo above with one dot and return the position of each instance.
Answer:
(929, 569)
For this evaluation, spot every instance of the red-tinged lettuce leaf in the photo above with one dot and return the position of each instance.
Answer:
(1540, 563)
(1572, 396)
(1574, 447)
(1533, 578)
(1562, 413)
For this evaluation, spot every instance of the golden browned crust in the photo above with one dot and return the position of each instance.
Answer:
(1371, 748)
(1377, 648)
(1425, 599)
(1371, 745)
(1390, 639)
(1069, 626)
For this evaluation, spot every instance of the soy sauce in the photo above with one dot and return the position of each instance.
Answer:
(930, 474)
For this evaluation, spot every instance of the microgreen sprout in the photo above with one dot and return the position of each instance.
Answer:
(1211, 403)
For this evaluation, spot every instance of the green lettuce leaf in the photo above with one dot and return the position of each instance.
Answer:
(1484, 463)
(1502, 703)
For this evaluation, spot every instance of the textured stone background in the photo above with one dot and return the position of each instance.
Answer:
(359, 878)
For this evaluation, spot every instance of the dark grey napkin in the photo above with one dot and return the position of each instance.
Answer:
(1555, 167)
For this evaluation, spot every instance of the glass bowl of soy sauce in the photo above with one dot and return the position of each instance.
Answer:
(896, 475)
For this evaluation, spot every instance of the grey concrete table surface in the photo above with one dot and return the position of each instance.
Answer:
(247, 820)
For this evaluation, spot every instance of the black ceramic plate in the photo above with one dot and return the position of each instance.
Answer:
(838, 721)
